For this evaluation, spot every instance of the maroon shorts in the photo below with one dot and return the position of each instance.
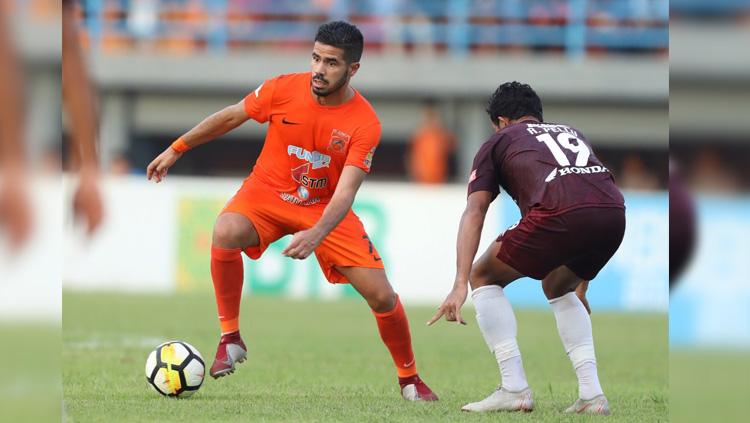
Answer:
(582, 239)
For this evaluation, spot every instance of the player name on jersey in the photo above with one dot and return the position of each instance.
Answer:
(539, 128)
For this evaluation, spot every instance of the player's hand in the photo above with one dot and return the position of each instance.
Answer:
(15, 211)
(158, 168)
(451, 307)
(303, 244)
(87, 201)
(581, 293)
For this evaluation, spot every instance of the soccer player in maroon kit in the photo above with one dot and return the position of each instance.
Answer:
(573, 221)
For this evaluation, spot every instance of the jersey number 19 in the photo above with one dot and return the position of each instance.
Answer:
(564, 139)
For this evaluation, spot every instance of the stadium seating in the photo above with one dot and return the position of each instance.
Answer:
(453, 26)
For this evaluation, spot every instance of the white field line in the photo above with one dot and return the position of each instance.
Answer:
(122, 342)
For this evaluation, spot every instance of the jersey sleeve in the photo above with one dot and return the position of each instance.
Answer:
(484, 173)
(363, 146)
(258, 103)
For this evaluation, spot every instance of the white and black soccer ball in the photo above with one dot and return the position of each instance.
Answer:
(175, 369)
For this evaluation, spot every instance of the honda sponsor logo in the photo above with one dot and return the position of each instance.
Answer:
(576, 170)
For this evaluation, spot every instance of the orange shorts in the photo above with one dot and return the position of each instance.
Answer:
(347, 245)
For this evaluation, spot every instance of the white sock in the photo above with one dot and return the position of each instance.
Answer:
(498, 325)
(574, 327)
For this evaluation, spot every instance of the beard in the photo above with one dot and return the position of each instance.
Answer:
(329, 88)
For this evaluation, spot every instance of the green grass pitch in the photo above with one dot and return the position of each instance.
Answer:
(324, 361)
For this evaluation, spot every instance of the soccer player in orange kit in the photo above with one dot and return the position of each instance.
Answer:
(321, 138)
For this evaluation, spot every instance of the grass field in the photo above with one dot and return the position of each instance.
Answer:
(709, 385)
(323, 361)
(30, 386)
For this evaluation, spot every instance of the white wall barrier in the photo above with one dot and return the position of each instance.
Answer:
(30, 277)
(157, 238)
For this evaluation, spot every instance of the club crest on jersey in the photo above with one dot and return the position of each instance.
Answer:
(315, 158)
(473, 176)
(339, 141)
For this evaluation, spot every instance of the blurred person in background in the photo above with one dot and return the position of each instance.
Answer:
(29, 278)
(711, 173)
(333, 9)
(189, 20)
(681, 225)
(388, 13)
(431, 147)
(143, 19)
(15, 210)
(420, 32)
(636, 176)
(709, 314)
(319, 146)
(78, 99)
(120, 164)
(573, 221)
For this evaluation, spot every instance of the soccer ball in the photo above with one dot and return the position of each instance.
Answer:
(175, 369)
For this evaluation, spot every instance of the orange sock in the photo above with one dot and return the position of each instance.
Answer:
(394, 331)
(227, 274)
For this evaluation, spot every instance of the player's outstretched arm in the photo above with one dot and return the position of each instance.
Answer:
(469, 233)
(15, 209)
(210, 128)
(78, 98)
(78, 95)
(305, 242)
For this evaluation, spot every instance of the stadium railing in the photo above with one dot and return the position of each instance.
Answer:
(714, 8)
(457, 27)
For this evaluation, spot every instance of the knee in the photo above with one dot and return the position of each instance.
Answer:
(549, 291)
(383, 301)
(227, 235)
(559, 282)
(479, 277)
(552, 291)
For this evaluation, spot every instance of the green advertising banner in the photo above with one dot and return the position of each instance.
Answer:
(273, 274)
(196, 217)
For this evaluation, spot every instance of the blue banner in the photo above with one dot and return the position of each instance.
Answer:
(709, 307)
(635, 279)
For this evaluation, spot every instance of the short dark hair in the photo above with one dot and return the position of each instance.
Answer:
(514, 100)
(342, 35)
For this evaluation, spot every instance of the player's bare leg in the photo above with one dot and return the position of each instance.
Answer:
(233, 233)
(393, 326)
(489, 275)
(490, 270)
(574, 326)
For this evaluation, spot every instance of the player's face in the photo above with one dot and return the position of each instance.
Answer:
(330, 72)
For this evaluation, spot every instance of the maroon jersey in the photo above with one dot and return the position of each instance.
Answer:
(546, 168)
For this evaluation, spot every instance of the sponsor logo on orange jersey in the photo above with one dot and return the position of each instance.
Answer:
(299, 174)
(290, 198)
(315, 158)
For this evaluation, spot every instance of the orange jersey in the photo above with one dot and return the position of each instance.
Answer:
(307, 144)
